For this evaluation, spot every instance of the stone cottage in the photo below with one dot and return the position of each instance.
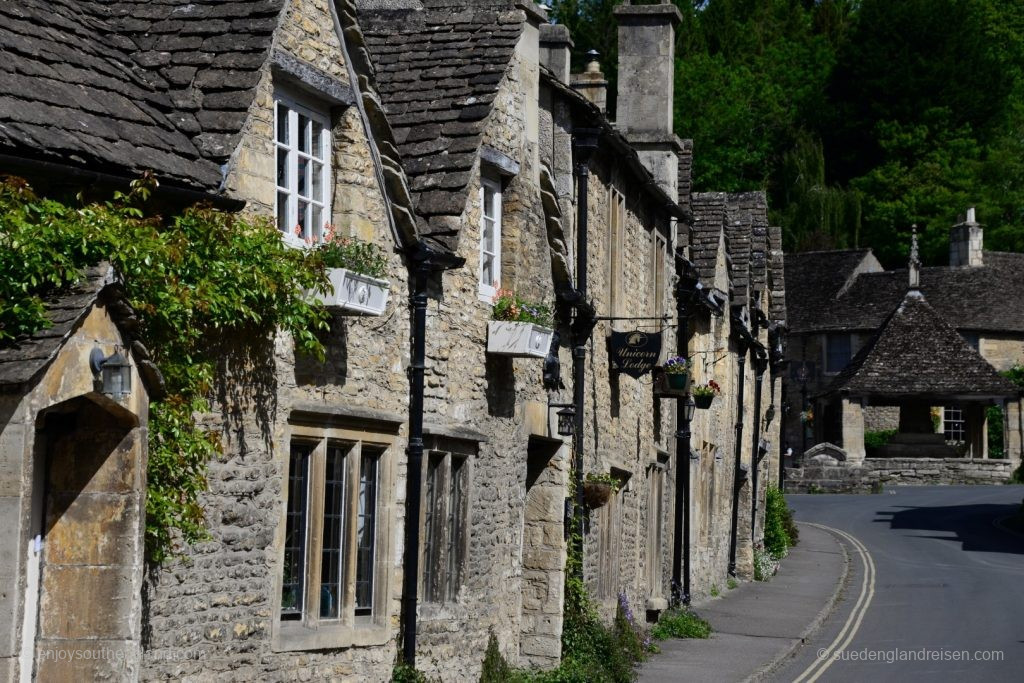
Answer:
(843, 303)
(412, 492)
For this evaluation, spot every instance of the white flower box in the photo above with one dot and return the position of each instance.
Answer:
(525, 340)
(293, 241)
(355, 292)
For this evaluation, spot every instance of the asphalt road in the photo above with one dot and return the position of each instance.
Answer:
(935, 590)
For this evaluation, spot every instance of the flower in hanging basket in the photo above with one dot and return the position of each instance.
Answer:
(705, 394)
(676, 365)
(510, 307)
(711, 389)
(807, 416)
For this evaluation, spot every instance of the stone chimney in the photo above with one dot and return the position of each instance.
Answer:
(965, 242)
(555, 44)
(644, 100)
(591, 83)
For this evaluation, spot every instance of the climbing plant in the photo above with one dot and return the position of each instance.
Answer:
(199, 281)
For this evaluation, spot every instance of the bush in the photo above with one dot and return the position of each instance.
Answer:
(495, 669)
(403, 673)
(675, 623)
(875, 440)
(780, 532)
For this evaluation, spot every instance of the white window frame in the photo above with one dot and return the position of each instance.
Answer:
(488, 290)
(290, 191)
(616, 245)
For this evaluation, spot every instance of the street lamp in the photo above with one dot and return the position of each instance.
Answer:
(688, 409)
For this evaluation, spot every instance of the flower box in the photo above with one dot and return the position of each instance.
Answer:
(596, 493)
(524, 340)
(355, 292)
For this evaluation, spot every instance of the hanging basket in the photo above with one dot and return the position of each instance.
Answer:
(703, 401)
(596, 494)
(672, 385)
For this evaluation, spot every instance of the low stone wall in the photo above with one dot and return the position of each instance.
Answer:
(876, 472)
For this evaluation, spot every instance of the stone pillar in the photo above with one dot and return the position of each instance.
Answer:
(853, 430)
(646, 83)
(1012, 429)
(555, 44)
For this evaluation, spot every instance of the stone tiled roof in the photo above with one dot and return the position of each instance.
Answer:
(814, 280)
(685, 174)
(706, 232)
(776, 276)
(916, 353)
(21, 360)
(987, 298)
(438, 66)
(128, 85)
(746, 232)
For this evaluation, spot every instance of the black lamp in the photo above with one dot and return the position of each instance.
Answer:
(688, 408)
(114, 371)
(566, 421)
(769, 415)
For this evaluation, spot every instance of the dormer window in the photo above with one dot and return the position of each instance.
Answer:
(490, 237)
(303, 146)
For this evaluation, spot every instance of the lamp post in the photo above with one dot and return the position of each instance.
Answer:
(681, 535)
(802, 376)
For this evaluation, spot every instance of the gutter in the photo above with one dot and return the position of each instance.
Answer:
(186, 195)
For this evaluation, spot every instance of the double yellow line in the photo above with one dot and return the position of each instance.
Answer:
(867, 592)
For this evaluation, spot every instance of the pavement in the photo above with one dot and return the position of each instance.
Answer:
(758, 626)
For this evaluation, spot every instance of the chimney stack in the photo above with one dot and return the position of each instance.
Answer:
(555, 45)
(644, 101)
(965, 242)
(591, 83)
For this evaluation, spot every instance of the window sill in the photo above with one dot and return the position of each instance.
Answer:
(295, 637)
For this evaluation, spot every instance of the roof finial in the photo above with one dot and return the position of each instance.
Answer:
(915, 262)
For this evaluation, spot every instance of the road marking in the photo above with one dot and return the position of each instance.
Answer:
(853, 622)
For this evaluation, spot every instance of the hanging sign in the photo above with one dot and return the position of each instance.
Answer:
(634, 353)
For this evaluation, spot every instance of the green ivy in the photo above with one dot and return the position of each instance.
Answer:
(199, 282)
(780, 532)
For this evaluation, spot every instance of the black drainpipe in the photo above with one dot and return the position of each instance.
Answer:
(584, 143)
(737, 470)
(755, 460)
(423, 263)
(681, 534)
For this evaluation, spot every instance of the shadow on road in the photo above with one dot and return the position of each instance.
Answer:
(971, 525)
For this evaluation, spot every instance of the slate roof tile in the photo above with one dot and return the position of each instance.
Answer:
(917, 353)
(113, 84)
(437, 71)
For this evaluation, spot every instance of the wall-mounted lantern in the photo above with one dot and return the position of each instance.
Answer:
(688, 409)
(566, 420)
(769, 415)
(763, 446)
(114, 373)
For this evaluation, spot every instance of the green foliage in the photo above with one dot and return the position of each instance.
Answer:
(858, 117)
(353, 254)
(876, 439)
(198, 281)
(603, 478)
(495, 668)
(765, 565)
(780, 532)
(714, 591)
(731, 583)
(404, 673)
(994, 416)
(511, 307)
(676, 623)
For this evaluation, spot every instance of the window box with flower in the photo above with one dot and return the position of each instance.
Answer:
(704, 395)
(519, 328)
(356, 272)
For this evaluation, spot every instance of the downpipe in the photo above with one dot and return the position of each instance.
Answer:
(737, 469)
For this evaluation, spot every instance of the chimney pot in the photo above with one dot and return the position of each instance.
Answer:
(591, 83)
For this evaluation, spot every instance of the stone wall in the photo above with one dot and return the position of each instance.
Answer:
(828, 477)
(213, 613)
